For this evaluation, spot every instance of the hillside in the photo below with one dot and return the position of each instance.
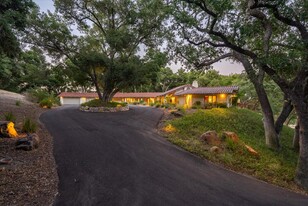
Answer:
(31, 178)
(271, 166)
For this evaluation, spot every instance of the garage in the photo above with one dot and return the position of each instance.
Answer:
(70, 100)
(76, 98)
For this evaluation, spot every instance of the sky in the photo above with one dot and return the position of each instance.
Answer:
(224, 67)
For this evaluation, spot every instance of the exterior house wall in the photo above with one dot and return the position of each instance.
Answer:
(197, 97)
(181, 101)
(221, 98)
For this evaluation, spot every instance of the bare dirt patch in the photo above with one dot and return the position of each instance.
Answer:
(31, 178)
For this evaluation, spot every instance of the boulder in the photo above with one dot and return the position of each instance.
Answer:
(29, 143)
(215, 149)
(230, 135)
(211, 138)
(252, 151)
(177, 113)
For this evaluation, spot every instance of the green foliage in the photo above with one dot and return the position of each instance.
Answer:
(9, 116)
(29, 126)
(221, 105)
(197, 103)
(152, 104)
(47, 102)
(18, 103)
(13, 17)
(278, 167)
(181, 109)
(100, 103)
(157, 105)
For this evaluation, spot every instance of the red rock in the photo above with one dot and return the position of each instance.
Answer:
(211, 138)
(230, 135)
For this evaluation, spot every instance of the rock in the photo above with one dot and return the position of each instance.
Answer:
(6, 161)
(230, 135)
(177, 113)
(36, 140)
(252, 151)
(29, 143)
(211, 138)
(215, 149)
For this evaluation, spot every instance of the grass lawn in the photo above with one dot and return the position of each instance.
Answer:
(277, 167)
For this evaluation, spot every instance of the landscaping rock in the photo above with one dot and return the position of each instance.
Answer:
(215, 149)
(230, 135)
(29, 143)
(252, 151)
(211, 138)
(177, 113)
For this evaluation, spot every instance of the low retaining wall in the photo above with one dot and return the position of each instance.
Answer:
(104, 109)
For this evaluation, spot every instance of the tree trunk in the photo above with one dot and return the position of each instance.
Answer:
(95, 82)
(284, 114)
(271, 137)
(296, 137)
(302, 167)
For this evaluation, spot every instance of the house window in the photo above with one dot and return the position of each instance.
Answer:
(210, 99)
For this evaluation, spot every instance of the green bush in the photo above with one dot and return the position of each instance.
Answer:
(157, 105)
(18, 103)
(197, 103)
(100, 103)
(46, 103)
(9, 116)
(37, 95)
(43, 97)
(181, 109)
(152, 104)
(194, 107)
(29, 126)
(221, 105)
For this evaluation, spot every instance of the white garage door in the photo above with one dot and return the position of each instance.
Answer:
(71, 100)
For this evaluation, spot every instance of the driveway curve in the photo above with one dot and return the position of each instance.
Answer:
(119, 159)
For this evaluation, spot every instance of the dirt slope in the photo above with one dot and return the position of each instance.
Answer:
(31, 178)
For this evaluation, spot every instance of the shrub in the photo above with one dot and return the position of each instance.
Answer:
(43, 97)
(100, 103)
(18, 103)
(194, 107)
(157, 105)
(221, 105)
(152, 104)
(135, 103)
(29, 126)
(9, 116)
(47, 102)
(181, 109)
(197, 103)
(37, 95)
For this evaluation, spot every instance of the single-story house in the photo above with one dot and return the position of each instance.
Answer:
(130, 97)
(207, 96)
(69, 98)
(169, 96)
(185, 95)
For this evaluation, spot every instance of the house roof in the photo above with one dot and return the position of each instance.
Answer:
(175, 89)
(210, 90)
(137, 95)
(117, 95)
(78, 94)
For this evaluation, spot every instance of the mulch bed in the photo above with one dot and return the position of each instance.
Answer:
(31, 178)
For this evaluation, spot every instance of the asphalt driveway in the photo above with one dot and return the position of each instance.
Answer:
(119, 159)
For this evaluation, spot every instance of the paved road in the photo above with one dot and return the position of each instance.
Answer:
(118, 159)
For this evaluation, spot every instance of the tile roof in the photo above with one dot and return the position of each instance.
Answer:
(210, 90)
(117, 95)
(137, 94)
(78, 94)
(175, 89)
